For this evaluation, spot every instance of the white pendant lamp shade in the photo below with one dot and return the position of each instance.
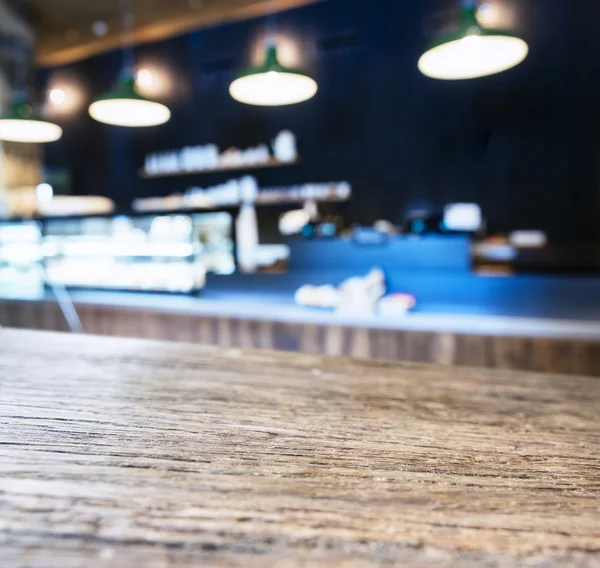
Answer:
(32, 131)
(125, 107)
(127, 112)
(473, 56)
(273, 89)
(472, 51)
(273, 84)
(21, 125)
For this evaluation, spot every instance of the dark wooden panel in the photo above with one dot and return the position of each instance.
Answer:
(155, 20)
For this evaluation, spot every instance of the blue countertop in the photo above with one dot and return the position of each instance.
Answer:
(436, 270)
(279, 307)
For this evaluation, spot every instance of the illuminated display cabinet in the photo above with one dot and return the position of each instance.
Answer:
(21, 259)
(153, 253)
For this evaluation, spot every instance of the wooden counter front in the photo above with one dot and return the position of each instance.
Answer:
(566, 355)
(126, 453)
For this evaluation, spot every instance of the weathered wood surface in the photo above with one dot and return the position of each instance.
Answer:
(565, 356)
(126, 453)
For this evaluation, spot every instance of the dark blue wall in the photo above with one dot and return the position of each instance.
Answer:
(524, 144)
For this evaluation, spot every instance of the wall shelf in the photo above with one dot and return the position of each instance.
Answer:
(272, 163)
(220, 207)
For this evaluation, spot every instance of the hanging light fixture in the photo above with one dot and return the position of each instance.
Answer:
(472, 50)
(21, 123)
(124, 106)
(272, 84)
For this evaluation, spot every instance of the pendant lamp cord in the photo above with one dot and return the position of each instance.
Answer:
(271, 25)
(20, 61)
(127, 34)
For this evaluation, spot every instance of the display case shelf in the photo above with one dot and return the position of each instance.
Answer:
(149, 253)
(116, 250)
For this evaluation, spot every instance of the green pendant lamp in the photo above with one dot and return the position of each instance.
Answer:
(472, 50)
(21, 124)
(124, 106)
(272, 84)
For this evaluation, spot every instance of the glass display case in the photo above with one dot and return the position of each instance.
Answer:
(164, 253)
(21, 260)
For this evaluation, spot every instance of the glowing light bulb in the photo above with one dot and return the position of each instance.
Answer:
(487, 14)
(144, 78)
(57, 97)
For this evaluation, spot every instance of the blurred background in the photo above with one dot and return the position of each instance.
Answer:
(378, 207)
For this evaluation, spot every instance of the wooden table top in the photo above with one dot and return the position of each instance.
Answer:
(127, 453)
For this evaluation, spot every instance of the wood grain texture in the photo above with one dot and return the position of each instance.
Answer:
(155, 20)
(121, 453)
(495, 352)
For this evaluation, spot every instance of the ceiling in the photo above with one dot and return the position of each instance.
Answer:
(66, 32)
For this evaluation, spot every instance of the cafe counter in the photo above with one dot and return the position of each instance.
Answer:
(270, 320)
(525, 322)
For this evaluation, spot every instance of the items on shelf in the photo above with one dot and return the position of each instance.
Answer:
(328, 227)
(386, 227)
(28, 202)
(292, 222)
(528, 239)
(284, 147)
(463, 217)
(62, 205)
(466, 218)
(207, 158)
(329, 191)
(234, 192)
